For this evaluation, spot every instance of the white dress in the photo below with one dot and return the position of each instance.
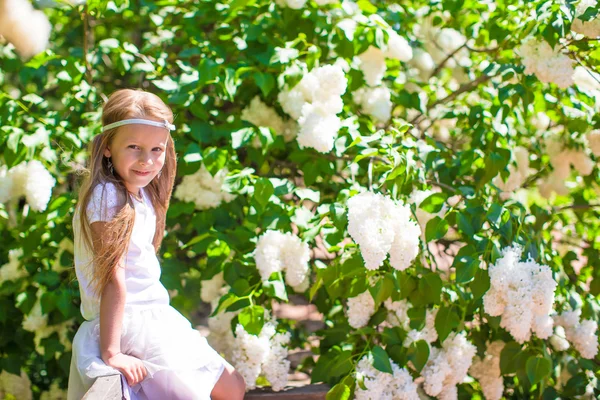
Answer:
(180, 363)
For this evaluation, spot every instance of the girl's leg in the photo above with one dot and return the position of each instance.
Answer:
(230, 386)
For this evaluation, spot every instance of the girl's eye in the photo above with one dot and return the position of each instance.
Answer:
(157, 149)
(133, 146)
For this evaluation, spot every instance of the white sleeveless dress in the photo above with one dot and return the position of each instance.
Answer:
(180, 362)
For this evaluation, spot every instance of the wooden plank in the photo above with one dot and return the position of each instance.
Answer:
(308, 392)
(105, 388)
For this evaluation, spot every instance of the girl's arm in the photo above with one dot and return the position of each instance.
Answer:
(112, 305)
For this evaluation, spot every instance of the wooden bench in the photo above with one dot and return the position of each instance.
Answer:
(109, 388)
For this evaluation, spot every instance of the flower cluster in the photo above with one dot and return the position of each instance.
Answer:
(279, 252)
(380, 226)
(398, 313)
(203, 189)
(360, 309)
(221, 338)
(212, 288)
(12, 270)
(519, 171)
(378, 385)
(265, 353)
(547, 63)
(582, 334)
(522, 293)
(30, 179)
(375, 102)
(562, 159)
(590, 28)
(593, 139)
(398, 316)
(15, 385)
(487, 371)
(428, 333)
(298, 4)
(260, 114)
(314, 103)
(372, 60)
(448, 366)
(23, 26)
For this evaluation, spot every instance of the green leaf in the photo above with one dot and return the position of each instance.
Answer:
(381, 360)
(538, 368)
(436, 229)
(263, 189)
(382, 290)
(265, 82)
(430, 288)
(465, 271)
(434, 203)
(417, 316)
(418, 353)
(480, 284)
(341, 391)
(508, 358)
(252, 319)
(275, 288)
(446, 320)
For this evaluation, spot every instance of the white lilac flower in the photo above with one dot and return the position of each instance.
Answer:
(548, 64)
(398, 48)
(318, 130)
(588, 82)
(380, 226)
(581, 334)
(428, 333)
(62, 329)
(375, 102)
(376, 385)
(30, 179)
(203, 189)
(212, 288)
(423, 62)
(593, 139)
(590, 28)
(65, 245)
(221, 337)
(259, 114)
(263, 354)
(360, 309)
(17, 386)
(372, 64)
(314, 103)
(282, 252)
(448, 366)
(398, 313)
(38, 187)
(487, 371)
(558, 341)
(522, 293)
(23, 26)
(12, 270)
(518, 171)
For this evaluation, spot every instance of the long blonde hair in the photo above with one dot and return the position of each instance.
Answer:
(123, 104)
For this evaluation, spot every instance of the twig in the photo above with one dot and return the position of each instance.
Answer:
(445, 60)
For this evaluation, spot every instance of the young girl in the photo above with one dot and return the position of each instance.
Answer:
(118, 226)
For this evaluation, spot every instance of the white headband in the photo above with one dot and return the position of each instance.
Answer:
(164, 124)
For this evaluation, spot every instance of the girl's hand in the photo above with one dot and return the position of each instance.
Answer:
(131, 367)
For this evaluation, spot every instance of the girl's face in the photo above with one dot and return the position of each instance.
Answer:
(138, 154)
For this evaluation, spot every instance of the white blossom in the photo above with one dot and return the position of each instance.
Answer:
(62, 329)
(15, 385)
(581, 334)
(398, 48)
(13, 269)
(448, 366)
(314, 103)
(380, 226)
(487, 371)
(265, 353)
(30, 179)
(360, 309)
(398, 313)
(203, 189)
(428, 333)
(381, 385)
(35, 319)
(259, 114)
(212, 288)
(282, 252)
(590, 28)
(293, 4)
(375, 102)
(522, 293)
(26, 28)
(558, 341)
(221, 337)
(372, 64)
(593, 139)
(548, 64)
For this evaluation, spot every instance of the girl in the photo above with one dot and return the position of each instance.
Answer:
(118, 226)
